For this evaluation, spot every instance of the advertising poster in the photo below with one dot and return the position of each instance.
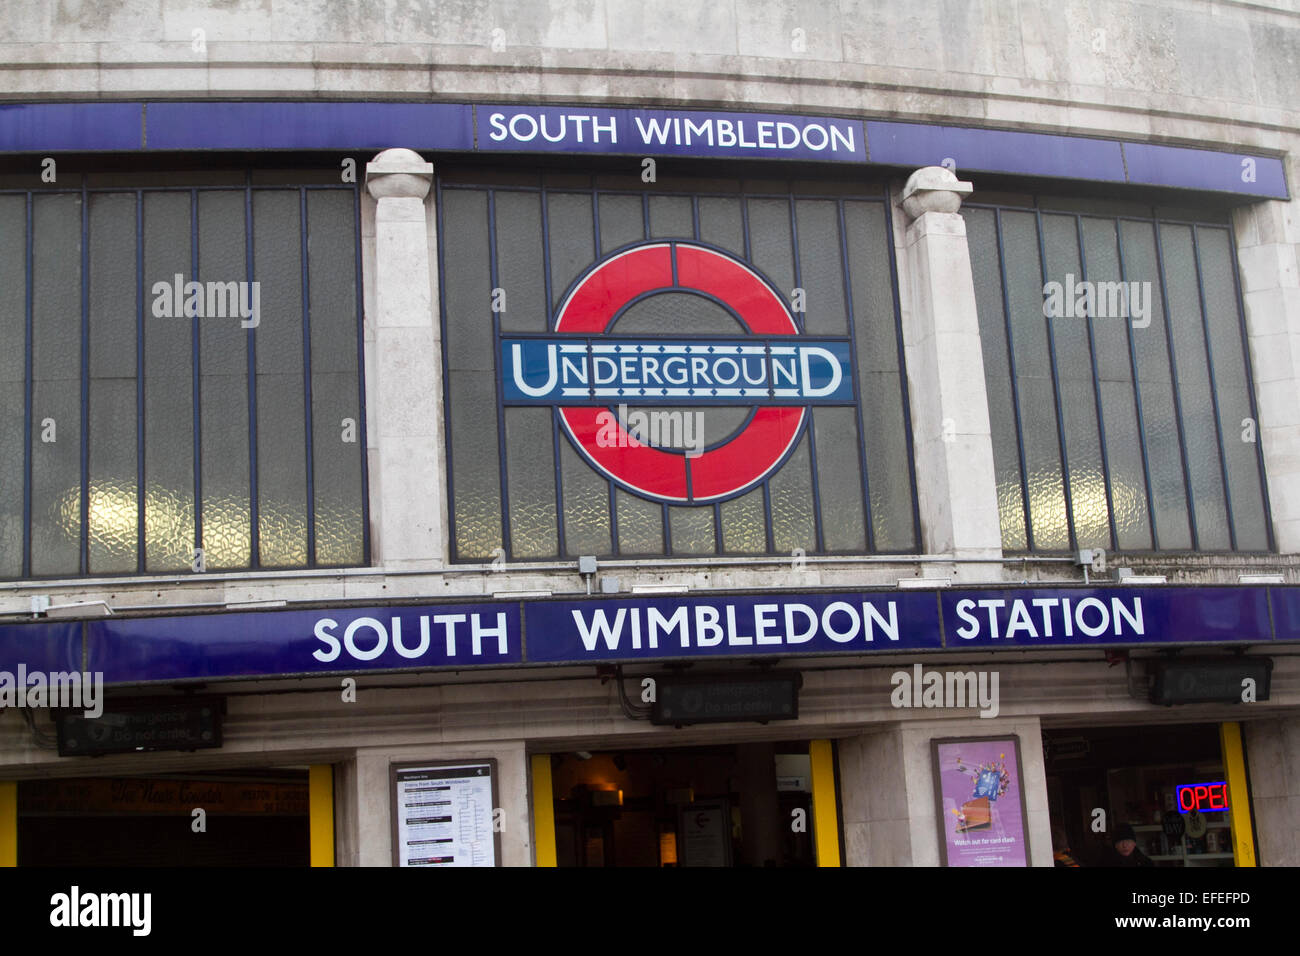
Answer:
(443, 815)
(981, 801)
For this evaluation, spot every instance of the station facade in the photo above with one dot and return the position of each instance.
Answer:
(738, 475)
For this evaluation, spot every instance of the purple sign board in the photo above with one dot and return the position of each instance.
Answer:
(685, 627)
(980, 799)
(580, 129)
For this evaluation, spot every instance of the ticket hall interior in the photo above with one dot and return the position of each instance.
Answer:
(743, 804)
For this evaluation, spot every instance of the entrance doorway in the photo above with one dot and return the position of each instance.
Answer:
(250, 818)
(1162, 786)
(729, 805)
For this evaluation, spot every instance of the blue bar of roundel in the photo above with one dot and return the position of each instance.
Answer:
(554, 635)
(1165, 615)
(285, 642)
(1286, 612)
(309, 126)
(1001, 151)
(1204, 169)
(53, 646)
(46, 127)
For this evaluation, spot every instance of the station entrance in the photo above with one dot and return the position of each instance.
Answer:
(249, 818)
(739, 805)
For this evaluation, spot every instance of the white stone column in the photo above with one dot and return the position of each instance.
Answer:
(1273, 759)
(1268, 250)
(956, 489)
(364, 798)
(890, 815)
(404, 386)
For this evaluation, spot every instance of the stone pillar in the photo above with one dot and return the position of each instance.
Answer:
(363, 799)
(956, 489)
(887, 790)
(760, 806)
(1273, 759)
(1268, 252)
(404, 386)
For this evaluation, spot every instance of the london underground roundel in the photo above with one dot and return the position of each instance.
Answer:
(585, 370)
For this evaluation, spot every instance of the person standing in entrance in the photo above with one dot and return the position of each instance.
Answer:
(1124, 849)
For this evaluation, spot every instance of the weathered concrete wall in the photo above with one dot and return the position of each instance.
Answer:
(1193, 70)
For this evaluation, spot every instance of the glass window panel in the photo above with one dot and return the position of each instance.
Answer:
(884, 423)
(13, 328)
(1195, 398)
(622, 221)
(982, 238)
(1150, 348)
(474, 464)
(586, 505)
(771, 247)
(821, 273)
(671, 218)
(519, 261)
(570, 228)
(468, 283)
(839, 479)
(168, 389)
(721, 223)
(113, 504)
(640, 524)
(1127, 483)
(792, 506)
(1119, 409)
(1048, 519)
(1232, 386)
(56, 385)
(530, 467)
(744, 529)
(1091, 512)
(223, 398)
(691, 529)
(337, 449)
(278, 340)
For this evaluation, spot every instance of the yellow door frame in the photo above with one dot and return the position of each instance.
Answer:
(543, 812)
(8, 823)
(826, 817)
(1234, 767)
(320, 808)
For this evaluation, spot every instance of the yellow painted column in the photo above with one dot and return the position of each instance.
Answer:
(320, 803)
(1234, 767)
(8, 823)
(543, 812)
(826, 817)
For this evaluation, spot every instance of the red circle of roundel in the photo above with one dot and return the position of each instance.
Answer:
(747, 457)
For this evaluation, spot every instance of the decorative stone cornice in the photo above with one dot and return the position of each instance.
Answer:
(399, 173)
(933, 189)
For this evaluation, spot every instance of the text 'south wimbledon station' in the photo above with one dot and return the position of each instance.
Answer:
(335, 640)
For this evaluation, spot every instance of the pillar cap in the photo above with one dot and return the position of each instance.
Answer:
(399, 173)
(933, 189)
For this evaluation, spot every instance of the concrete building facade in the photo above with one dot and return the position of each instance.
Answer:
(985, 135)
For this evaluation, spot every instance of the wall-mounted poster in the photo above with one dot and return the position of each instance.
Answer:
(443, 814)
(705, 828)
(981, 801)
